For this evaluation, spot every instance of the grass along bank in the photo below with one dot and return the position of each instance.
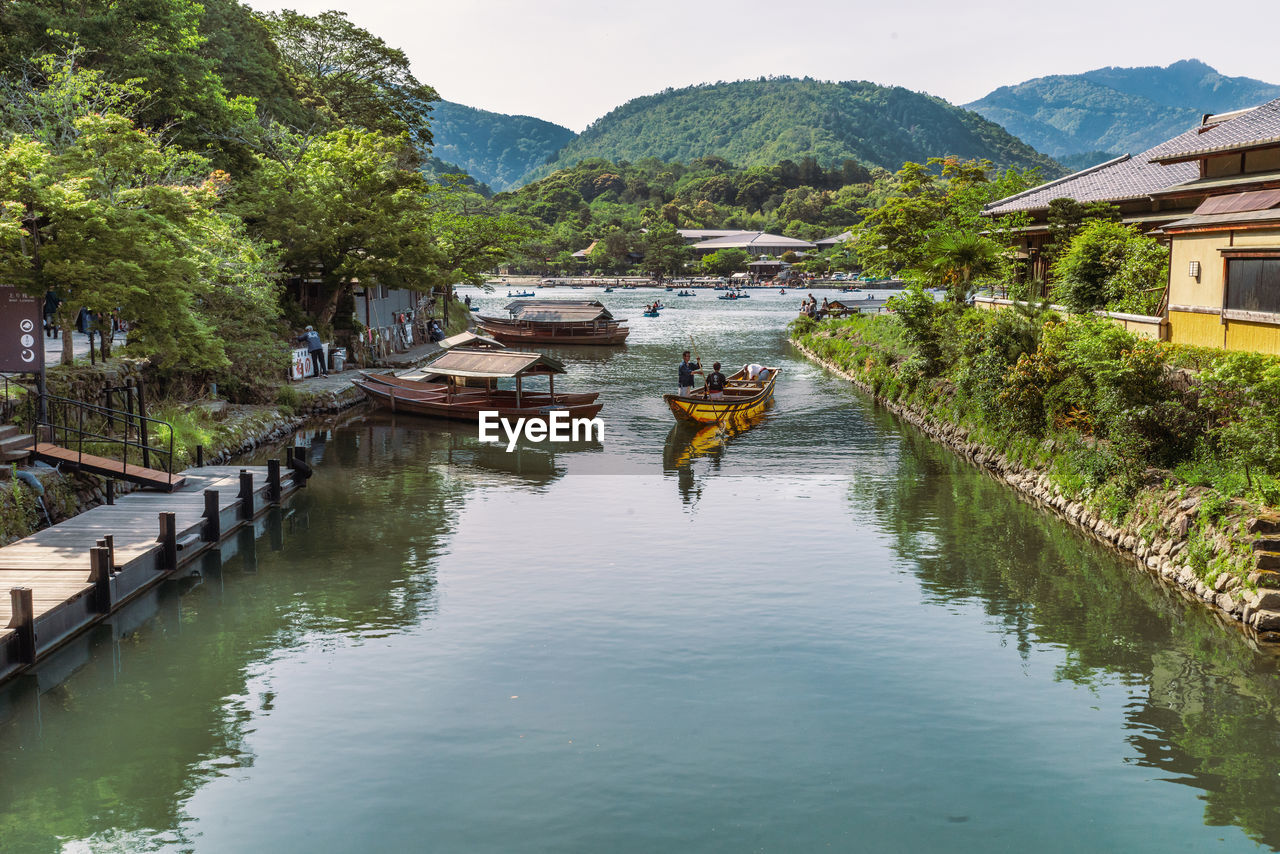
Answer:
(1166, 453)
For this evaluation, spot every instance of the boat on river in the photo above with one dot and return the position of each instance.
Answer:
(556, 322)
(451, 398)
(743, 399)
(521, 295)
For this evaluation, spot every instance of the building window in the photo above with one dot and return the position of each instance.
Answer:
(1253, 284)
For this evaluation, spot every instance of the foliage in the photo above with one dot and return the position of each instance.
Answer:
(1129, 109)
(665, 251)
(725, 262)
(1112, 266)
(497, 149)
(354, 76)
(764, 121)
(956, 260)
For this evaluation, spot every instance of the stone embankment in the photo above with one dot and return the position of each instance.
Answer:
(1162, 548)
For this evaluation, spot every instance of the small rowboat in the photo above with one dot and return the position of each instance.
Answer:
(520, 295)
(743, 399)
(649, 314)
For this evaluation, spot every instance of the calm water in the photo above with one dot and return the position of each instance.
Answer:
(825, 633)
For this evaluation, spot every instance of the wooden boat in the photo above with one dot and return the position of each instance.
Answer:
(521, 295)
(437, 386)
(461, 403)
(556, 322)
(743, 399)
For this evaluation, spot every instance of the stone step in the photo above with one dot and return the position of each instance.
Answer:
(1265, 525)
(1267, 544)
(15, 447)
(9, 430)
(1264, 579)
(1267, 560)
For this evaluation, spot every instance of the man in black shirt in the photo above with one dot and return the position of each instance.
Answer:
(687, 370)
(716, 382)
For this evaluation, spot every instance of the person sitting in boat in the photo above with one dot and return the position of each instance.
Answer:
(687, 370)
(716, 382)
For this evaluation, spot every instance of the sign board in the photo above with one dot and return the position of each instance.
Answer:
(21, 331)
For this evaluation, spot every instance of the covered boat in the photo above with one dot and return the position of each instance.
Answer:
(556, 322)
(451, 399)
(744, 398)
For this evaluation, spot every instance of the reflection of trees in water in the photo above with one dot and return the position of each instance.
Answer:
(118, 746)
(1210, 716)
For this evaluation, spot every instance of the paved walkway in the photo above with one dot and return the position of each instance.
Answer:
(53, 348)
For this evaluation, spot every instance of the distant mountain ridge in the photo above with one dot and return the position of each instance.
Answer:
(494, 148)
(1117, 110)
(765, 121)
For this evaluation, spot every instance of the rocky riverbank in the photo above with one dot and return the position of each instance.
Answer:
(1163, 536)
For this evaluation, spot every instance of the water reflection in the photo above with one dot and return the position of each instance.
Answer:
(1205, 705)
(689, 442)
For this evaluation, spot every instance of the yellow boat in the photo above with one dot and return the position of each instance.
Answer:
(743, 399)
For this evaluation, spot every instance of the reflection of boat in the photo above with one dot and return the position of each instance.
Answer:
(743, 399)
(462, 403)
(556, 322)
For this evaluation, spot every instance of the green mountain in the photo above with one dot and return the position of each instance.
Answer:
(496, 149)
(1121, 110)
(769, 120)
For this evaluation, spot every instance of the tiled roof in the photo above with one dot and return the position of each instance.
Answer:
(752, 240)
(1220, 219)
(1116, 180)
(1259, 126)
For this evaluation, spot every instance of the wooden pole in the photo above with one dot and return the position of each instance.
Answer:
(199, 456)
(212, 531)
(246, 494)
(274, 491)
(518, 378)
(168, 540)
(111, 491)
(100, 578)
(23, 621)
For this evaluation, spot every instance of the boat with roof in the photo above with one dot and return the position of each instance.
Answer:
(549, 321)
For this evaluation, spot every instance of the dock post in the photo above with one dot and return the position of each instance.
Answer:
(109, 543)
(111, 491)
(273, 481)
(288, 457)
(100, 578)
(302, 452)
(212, 531)
(199, 456)
(24, 622)
(246, 494)
(168, 540)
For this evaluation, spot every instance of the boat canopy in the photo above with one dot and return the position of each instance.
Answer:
(471, 340)
(559, 311)
(493, 364)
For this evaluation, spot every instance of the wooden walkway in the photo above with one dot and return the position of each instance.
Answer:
(142, 537)
(104, 467)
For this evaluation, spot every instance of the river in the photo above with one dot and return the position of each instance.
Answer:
(824, 633)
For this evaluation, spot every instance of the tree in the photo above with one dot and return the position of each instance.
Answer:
(954, 259)
(469, 238)
(725, 262)
(354, 75)
(665, 251)
(343, 210)
(1113, 266)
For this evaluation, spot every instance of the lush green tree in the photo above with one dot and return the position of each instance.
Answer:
(1112, 266)
(343, 210)
(725, 262)
(354, 75)
(665, 251)
(955, 260)
(1066, 216)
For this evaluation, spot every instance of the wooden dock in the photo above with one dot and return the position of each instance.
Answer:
(60, 581)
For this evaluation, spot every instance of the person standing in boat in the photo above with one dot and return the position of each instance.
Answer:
(716, 382)
(687, 370)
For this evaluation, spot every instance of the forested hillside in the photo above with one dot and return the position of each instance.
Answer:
(1117, 110)
(494, 148)
(763, 122)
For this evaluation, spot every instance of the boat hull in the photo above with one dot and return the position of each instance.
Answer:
(535, 334)
(741, 402)
(467, 407)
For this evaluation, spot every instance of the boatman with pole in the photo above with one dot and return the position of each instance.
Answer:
(687, 370)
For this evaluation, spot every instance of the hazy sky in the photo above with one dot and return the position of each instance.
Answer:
(571, 61)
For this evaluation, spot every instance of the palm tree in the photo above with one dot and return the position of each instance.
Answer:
(953, 259)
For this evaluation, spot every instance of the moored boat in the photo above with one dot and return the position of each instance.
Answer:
(556, 322)
(743, 398)
(450, 399)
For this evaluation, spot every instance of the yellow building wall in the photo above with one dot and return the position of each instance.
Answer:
(1208, 330)
(1198, 330)
(1257, 337)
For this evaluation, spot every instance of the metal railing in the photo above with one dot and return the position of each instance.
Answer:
(70, 423)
